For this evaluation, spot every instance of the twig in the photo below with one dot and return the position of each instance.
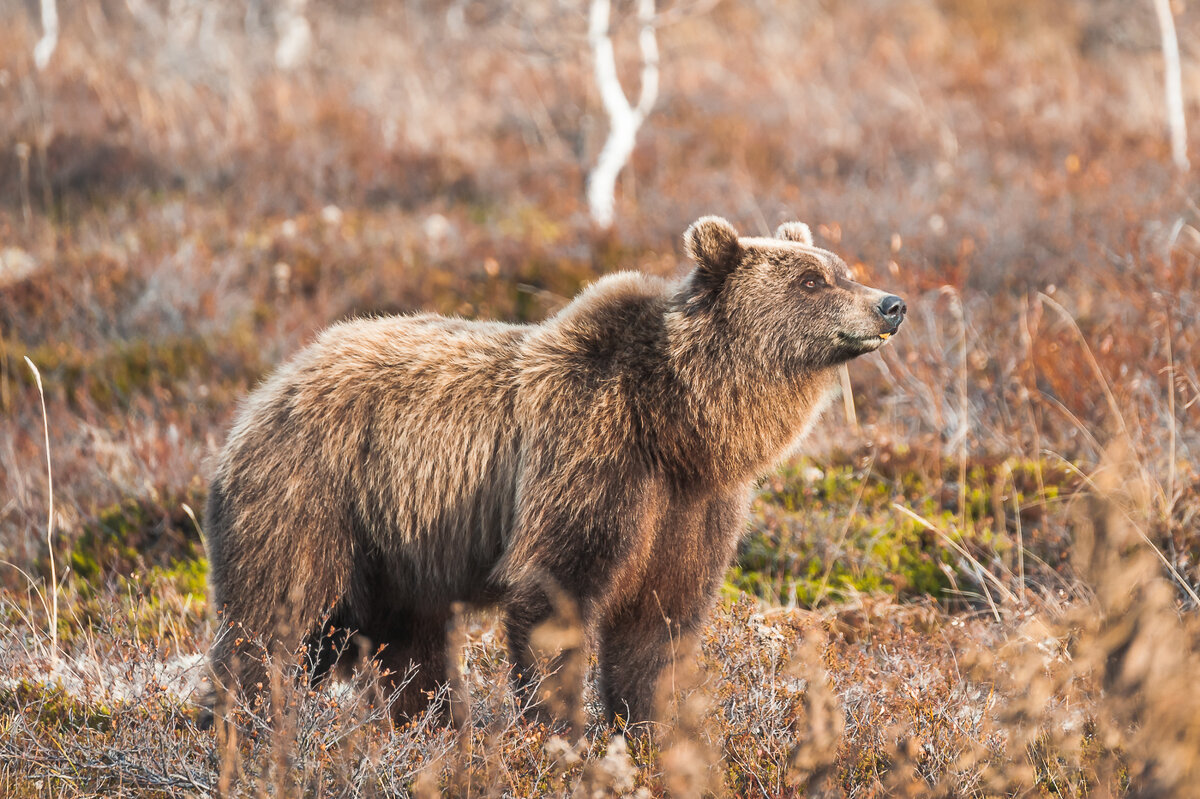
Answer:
(1191, 592)
(964, 408)
(191, 514)
(1087, 351)
(1016, 498)
(37, 376)
(845, 531)
(960, 549)
(1170, 495)
(848, 398)
(1122, 428)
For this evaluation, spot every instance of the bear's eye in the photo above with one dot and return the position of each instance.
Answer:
(812, 281)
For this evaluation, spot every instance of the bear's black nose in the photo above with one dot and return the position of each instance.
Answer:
(892, 308)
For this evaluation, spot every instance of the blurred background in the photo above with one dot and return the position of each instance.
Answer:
(189, 190)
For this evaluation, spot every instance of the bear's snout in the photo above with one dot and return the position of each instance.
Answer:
(892, 309)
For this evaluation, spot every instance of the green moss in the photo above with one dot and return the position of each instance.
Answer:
(189, 578)
(115, 376)
(825, 533)
(146, 553)
(51, 706)
(138, 533)
(161, 604)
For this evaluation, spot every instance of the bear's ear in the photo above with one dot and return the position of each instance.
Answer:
(795, 231)
(713, 244)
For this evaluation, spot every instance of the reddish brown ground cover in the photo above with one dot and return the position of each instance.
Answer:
(935, 602)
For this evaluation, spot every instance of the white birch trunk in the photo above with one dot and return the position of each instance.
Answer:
(49, 41)
(624, 119)
(295, 35)
(1174, 84)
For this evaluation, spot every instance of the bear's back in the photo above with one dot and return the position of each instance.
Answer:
(593, 378)
(407, 422)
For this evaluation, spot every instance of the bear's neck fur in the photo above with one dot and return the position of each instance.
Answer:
(740, 416)
(706, 405)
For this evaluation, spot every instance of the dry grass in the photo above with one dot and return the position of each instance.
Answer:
(988, 589)
(1086, 698)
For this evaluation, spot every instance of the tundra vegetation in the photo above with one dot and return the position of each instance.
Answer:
(983, 582)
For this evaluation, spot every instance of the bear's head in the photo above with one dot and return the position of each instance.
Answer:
(788, 304)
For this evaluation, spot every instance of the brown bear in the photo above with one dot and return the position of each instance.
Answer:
(399, 465)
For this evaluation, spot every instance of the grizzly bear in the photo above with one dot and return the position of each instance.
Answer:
(400, 465)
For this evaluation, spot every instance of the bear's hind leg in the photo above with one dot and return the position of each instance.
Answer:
(548, 691)
(525, 610)
(261, 632)
(414, 661)
(330, 646)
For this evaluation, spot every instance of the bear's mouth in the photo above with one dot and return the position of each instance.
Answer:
(868, 342)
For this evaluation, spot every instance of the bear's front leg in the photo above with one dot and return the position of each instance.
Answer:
(658, 614)
(637, 650)
(579, 542)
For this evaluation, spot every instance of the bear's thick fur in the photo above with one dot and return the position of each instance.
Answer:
(401, 464)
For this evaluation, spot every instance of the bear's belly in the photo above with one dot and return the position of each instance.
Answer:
(439, 509)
